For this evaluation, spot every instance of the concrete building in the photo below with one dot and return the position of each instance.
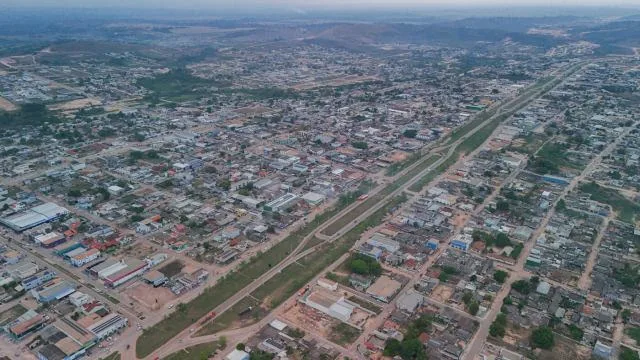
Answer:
(329, 303)
(53, 291)
(84, 257)
(462, 242)
(282, 203)
(38, 279)
(108, 325)
(33, 217)
(314, 199)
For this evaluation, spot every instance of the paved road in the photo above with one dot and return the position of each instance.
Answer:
(514, 104)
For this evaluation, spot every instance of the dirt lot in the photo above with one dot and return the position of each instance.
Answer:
(309, 319)
(76, 104)
(140, 250)
(7, 105)
(150, 297)
(441, 293)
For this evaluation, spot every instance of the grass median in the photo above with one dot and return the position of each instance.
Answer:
(285, 284)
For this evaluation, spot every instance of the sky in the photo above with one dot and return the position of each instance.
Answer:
(309, 4)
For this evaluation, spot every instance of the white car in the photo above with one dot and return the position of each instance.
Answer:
(170, 306)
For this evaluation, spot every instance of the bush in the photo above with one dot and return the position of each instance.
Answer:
(542, 338)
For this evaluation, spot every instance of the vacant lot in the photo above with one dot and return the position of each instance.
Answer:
(200, 351)
(626, 209)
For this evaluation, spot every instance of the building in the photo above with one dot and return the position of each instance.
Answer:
(237, 355)
(133, 268)
(53, 291)
(79, 298)
(155, 278)
(384, 288)
(108, 325)
(11, 257)
(432, 245)
(462, 242)
(282, 203)
(63, 249)
(227, 256)
(84, 257)
(381, 241)
(409, 301)
(98, 270)
(314, 199)
(21, 271)
(50, 240)
(33, 217)
(27, 323)
(330, 304)
(38, 279)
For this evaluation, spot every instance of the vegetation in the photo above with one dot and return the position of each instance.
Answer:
(227, 286)
(542, 338)
(197, 352)
(628, 354)
(365, 265)
(498, 327)
(500, 276)
(360, 145)
(27, 115)
(178, 84)
(575, 332)
(343, 334)
(410, 133)
(410, 348)
(634, 333)
(627, 210)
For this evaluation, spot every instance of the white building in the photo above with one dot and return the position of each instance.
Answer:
(108, 325)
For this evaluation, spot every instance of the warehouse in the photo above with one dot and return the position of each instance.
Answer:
(27, 323)
(108, 325)
(133, 268)
(53, 291)
(282, 203)
(50, 240)
(155, 278)
(33, 217)
(84, 257)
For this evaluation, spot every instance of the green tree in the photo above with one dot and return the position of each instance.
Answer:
(500, 276)
(392, 347)
(240, 346)
(410, 133)
(473, 308)
(359, 266)
(412, 349)
(542, 337)
(628, 354)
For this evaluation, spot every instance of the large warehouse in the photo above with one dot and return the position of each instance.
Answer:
(33, 217)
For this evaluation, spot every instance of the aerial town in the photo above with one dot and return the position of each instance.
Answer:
(258, 191)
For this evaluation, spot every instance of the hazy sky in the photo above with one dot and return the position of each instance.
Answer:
(307, 4)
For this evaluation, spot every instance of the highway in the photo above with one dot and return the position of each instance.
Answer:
(512, 106)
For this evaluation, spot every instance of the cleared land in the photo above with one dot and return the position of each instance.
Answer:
(7, 105)
(200, 351)
(626, 209)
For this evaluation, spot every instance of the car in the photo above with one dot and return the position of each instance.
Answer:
(170, 306)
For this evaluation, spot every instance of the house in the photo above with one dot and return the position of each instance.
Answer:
(409, 301)
(462, 242)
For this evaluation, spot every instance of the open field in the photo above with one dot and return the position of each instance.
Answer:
(75, 104)
(200, 351)
(232, 319)
(627, 210)
(150, 297)
(113, 356)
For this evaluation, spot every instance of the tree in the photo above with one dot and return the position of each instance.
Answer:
(542, 337)
(360, 145)
(502, 240)
(467, 297)
(240, 346)
(392, 347)
(410, 133)
(626, 314)
(473, 308)
(412, 349)
(628, 354)
(500, 276)
(224, 184)
(502, 206)
(498, 326)
(359, 266)
(521, 286)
